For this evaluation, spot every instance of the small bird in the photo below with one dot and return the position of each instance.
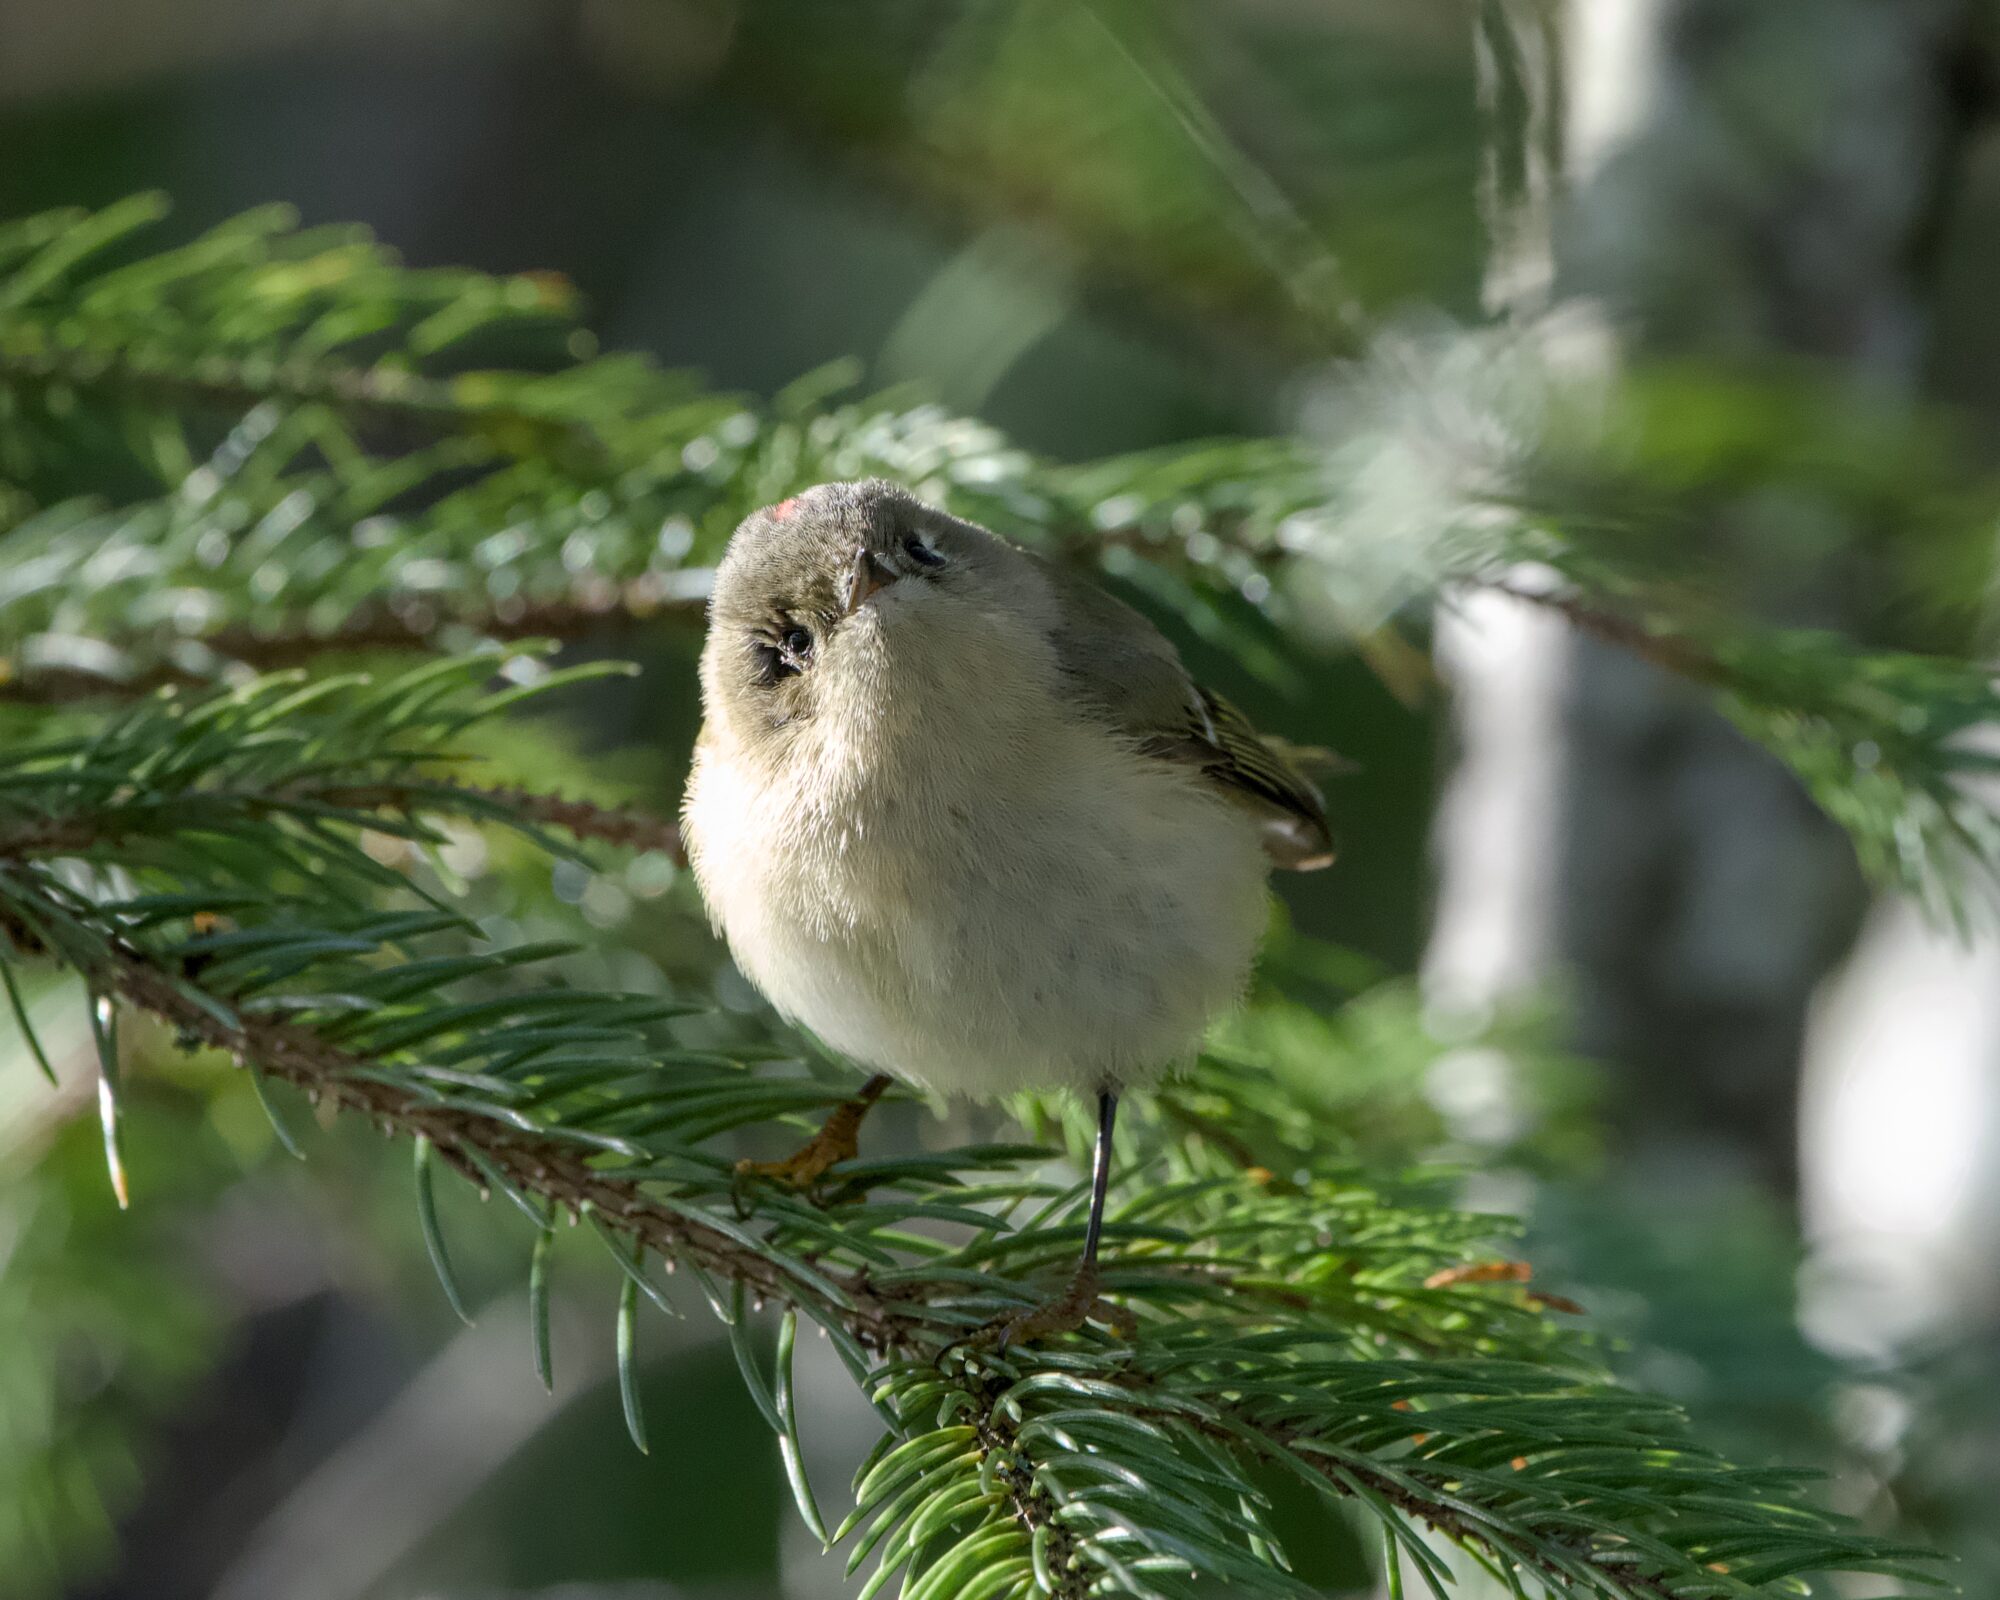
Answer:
(966, 817)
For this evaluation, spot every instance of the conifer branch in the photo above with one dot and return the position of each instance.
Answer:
(624, 826)
(1679, 655)
(559, 1176)
(499, 532)
(80, 833)
(550, 1170)
(407, 408)
(202, 857)
(1315, 1324)
(144, 665)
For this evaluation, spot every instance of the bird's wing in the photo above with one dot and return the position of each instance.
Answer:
(1129, 674)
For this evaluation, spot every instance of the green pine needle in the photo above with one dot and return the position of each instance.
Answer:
(246, 858)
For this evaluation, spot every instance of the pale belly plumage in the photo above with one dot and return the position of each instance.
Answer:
(1053, 910)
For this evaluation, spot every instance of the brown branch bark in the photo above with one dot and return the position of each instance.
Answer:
(584, 819)
(589, 604)
(623, 826)
(1672, 652)
(396, 625)
(539, 1164)
(417, 625)
(1437, 1514)
(410, 408)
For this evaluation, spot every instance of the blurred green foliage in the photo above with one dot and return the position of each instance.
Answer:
(102, 1330)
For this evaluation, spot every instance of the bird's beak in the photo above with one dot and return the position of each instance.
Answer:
(864, 577)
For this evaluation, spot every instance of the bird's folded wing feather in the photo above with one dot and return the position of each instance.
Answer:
(1128, 673)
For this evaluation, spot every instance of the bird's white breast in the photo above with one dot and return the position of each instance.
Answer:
(1007, 899)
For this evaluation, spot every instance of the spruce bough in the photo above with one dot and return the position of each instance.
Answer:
(211, 823)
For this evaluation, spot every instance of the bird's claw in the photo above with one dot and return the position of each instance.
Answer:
(838, 1140)
(805, 1166)
(1077, 1305)
(801, 1171)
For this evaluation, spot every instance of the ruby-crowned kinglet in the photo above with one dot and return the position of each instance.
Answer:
(968, 818)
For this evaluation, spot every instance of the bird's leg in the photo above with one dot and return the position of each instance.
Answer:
(836, 1141)
(1078, 1303)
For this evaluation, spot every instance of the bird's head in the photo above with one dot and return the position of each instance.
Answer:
(843, 600)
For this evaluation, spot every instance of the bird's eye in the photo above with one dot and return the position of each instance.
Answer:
(922, 551)
(783, 656)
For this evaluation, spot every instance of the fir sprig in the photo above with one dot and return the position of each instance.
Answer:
(251, 372)
(327, 465)
(180, 860)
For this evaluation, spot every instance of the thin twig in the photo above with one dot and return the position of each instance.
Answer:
(396, 625)
(408, 404)
(540, 1164)
(1674, 652)
(1033, 1506)
(410, 623)
(623, 826)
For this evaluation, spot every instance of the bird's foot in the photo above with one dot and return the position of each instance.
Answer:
(1077, 1305)
(838, 1140)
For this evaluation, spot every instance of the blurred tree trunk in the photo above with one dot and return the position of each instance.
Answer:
(1747, 180)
